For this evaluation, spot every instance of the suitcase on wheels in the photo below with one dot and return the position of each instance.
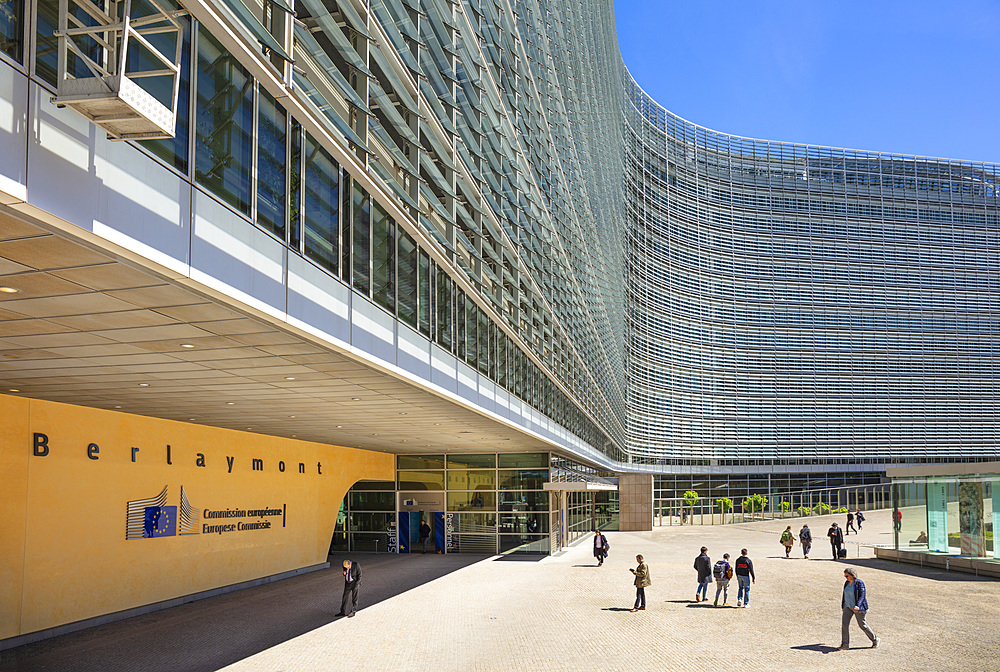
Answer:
(841, 552)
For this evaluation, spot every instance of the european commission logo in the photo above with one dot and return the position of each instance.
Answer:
(150, 518)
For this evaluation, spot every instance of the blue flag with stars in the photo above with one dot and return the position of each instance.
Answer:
(161, 521)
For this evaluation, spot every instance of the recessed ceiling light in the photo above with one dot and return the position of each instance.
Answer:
(13, 390)
(437, 424)
(191, 419)
(355, 398)
(402, 412)
(375, 434)
(249, 427)
(230, 403)
(12, 357)
(186, 345)
(340, 426)
(289, 377)
(117, 406)
(9, 290)
(143, 384)
(294, 435)
(291, 416)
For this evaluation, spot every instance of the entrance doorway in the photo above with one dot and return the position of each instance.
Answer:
(413, 508)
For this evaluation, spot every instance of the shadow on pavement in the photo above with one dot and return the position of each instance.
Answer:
(615, 609)
(513, 557)
(213, 633)
(934, 573)
(821, 648)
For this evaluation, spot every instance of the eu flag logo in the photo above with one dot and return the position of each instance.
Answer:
(160, 521)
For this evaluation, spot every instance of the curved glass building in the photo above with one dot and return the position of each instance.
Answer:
(475, 199)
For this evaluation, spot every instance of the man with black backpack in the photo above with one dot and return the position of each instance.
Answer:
(722, 573)
(744, 576)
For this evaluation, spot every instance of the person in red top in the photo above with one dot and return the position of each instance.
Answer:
(744, 577)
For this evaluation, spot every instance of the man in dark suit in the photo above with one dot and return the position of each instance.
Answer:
(352, 579)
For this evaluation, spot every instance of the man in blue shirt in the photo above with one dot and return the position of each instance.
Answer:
(854, 603)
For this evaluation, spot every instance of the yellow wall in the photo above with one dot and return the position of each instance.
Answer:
(63, 516)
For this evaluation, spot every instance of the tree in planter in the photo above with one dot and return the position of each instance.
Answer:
(785, 507)
(690, 499)
(725, 505)
(755, 503)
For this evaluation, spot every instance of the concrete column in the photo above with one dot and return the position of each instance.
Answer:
(635, 502)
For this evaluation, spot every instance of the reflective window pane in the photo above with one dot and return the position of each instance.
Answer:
(271, 160)
(321, 201)
(461, 479)
(420, 461)
(421, 480)
(524, 500)
(472, 501)
(372, 501)
(407, 265)
(383, 258)
(523, 479)
(361, 217)
(511, 460)
(461, 461)
(224, 117)
(11, 27)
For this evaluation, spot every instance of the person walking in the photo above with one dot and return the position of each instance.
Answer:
(352, 581)
(897, 520)
(787, 540)
(854, 604)
(722, 572)
(425, 532)
(703, 564)
(850, 523)
(744, 577)
(641, 583)
(836, 540)
(600, 547)
(806, 539)
(859, 518)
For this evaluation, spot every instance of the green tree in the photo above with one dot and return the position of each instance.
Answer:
(786, 506)
(725, 504)
(755, 503)
(692, 497)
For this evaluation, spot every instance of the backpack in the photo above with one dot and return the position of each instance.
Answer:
(719, 571)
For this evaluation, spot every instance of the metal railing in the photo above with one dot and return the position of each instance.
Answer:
(795, 504)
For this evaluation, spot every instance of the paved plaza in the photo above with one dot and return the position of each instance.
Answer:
(564, 613)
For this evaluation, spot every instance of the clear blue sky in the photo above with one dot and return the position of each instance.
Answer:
(918, 77)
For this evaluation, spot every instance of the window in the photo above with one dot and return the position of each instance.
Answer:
(383, 258)
(271, 178)
(12, 28)
(444, 321)
(320, 206)
(224, 116)
(345, 230)
(295, 188)
(424, 293)
(407, 299)
(362, 239)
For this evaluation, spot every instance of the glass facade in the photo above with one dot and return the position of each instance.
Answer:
(948, 514)
(670, 295)
(792, 304)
